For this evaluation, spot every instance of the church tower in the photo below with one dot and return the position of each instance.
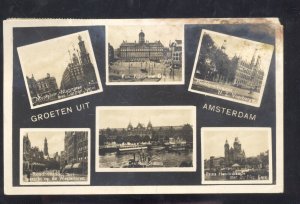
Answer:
(46, 147)
(237, 145)
(226, 153)
(253, 59)
(84, 55)
(149, 126)
(258, 62)
(141, 37)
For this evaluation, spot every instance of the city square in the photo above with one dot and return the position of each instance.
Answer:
(144, 71)
(148, 57)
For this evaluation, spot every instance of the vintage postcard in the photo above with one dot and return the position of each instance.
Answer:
(146, 138)
(142, 139)
(59, 69)
(231, 68)
(236, 155)
(54, 156)
(145, 55)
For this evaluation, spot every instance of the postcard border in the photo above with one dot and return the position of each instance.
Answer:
(93, 59)
(109, 83)
(158, 169)
(64, 183)
(257, 104)
(207, 129)
(10, 189)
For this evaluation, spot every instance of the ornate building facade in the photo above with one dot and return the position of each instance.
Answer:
(176, 53)
(80, 70)
(35, 159)
(42, 86)
(142, 50)
(235, 158)
(234, 154)
(76, 151)
(158, 133)
(249, 75)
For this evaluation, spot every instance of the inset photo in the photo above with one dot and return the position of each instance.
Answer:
(59, 69)
(145, 138)
(231, 68)
(236, 155)
(54, 156)
(145, 55)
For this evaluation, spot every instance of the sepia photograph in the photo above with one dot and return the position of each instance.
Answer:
(54, 156)
(145, 55)
(231, 68)
(145, 138)
(236, 155)
(59, 69)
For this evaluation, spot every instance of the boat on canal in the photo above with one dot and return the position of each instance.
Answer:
(145, 161)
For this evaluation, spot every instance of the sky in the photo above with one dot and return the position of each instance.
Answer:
(51, 56)
(158, 117)
(55, 140)
(253, 142)
(244, 48)
(164, 33)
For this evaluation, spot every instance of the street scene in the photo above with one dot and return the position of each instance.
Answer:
(231, 68)
(54, 156)
(70, 70)
(163, 141)
(231, 155)
(145, 55)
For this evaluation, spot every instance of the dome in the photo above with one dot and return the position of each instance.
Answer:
(142, 34)
(141, 37)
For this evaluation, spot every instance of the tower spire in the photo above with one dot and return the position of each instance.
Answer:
(253, 58)
(46, 147)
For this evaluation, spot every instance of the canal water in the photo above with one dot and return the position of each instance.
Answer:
(169, 159)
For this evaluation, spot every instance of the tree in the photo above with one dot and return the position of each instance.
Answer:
(119, 139)
(108, 131)
(126, 139)
(187, 132)
(146, 138)
(102, 140)
(171, 132)
(136, 139)
(206, 54)
(154, 137)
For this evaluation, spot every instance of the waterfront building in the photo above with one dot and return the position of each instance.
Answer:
(153, 133)
(176, 53)
(80, 70)
(142, 50)
(235, 158)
